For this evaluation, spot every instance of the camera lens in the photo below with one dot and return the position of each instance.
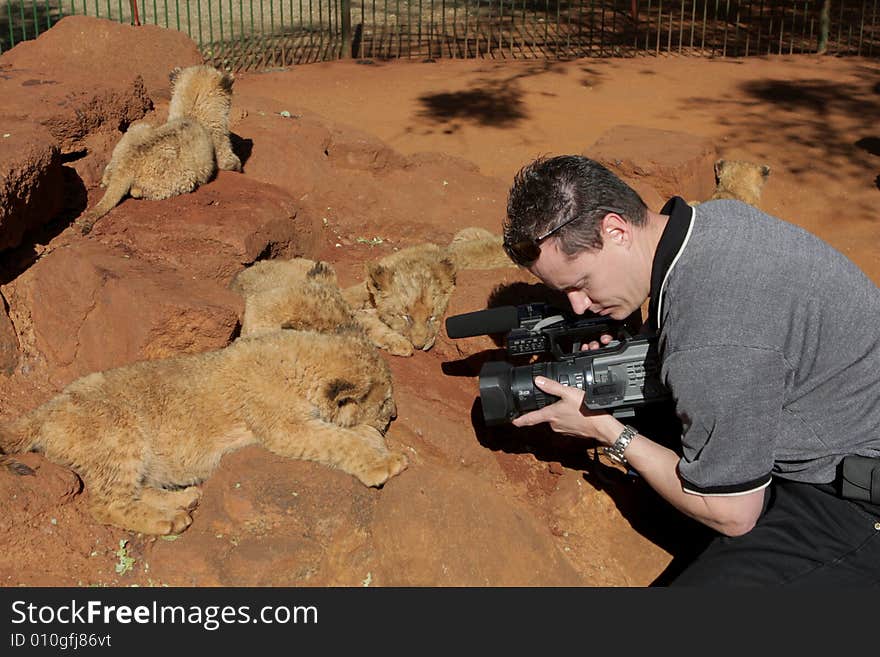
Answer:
(506, 391)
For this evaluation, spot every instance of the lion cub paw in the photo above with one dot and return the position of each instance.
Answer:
(379, 472)
(396, 345)
(85, 223)
(188, 498)
(177, 524)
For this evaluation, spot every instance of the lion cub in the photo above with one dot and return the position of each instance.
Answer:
(204, 93)
(143, 435)
(739, 180)
(305, 294)
(478, 248)
(299, 294)
(403, 297)
(398, 306)
(158, 162)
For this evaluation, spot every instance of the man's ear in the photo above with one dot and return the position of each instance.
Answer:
(616, 229)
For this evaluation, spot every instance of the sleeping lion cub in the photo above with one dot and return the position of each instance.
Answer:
(299, 294)
(158, 162)
(144, 435)
(398, 306)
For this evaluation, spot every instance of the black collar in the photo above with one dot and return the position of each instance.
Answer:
(670, 243)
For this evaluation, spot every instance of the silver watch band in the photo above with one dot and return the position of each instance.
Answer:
(615, 451)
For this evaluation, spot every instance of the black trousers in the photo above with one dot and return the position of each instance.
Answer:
(806, 536)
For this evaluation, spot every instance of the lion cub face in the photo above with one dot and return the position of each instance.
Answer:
(740, 180)
(364, 396)
(411, 290)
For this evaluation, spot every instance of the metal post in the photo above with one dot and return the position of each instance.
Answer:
(346, 28)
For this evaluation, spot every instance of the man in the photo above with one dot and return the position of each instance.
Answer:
(769, 344)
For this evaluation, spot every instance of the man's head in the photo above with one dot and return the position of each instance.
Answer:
(574, 224)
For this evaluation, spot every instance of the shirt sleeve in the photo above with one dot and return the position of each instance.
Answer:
(729, 400)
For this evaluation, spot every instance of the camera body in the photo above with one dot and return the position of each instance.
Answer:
(618, 377)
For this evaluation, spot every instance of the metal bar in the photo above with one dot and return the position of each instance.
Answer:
(783, 21)
(669, 37)
(681, 27)
(24, 36)
(804, 26)
(659, 23)
(760, 24)
(726, 25)
(9, 24)
(749, 29)
(736, 30)
(873, 30)
(346, 29)
(703, 37)
(693, 22)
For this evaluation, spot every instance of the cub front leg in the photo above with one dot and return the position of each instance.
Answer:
(383, 336)
(359, 450)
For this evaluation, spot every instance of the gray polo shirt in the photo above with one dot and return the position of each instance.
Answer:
(770, 345)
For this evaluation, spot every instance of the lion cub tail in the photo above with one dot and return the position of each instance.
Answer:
(116, 191)
(9, 442)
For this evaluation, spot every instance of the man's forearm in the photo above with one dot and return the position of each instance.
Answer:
(658, 466)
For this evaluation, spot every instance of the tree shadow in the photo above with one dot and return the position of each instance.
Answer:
(488, 102)
(815, 114)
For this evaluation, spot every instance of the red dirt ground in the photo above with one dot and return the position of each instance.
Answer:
(472, 509)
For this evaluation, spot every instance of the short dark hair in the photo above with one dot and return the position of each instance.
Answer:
(567, 196)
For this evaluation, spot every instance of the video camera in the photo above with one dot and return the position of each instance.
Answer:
(618, 377)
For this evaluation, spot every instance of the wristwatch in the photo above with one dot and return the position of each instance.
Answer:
(615, 451)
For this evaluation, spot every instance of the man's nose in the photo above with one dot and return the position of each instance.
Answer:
(579, 301)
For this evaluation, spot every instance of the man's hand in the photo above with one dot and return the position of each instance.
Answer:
(604, 339)
(566, 416)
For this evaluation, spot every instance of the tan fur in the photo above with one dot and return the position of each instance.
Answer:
(739, 180)
(478, 248)
(299, 293)
(144, 435)
(204, 93)
(398, 306)
(158, 162)
(404, 294)
(154, 163)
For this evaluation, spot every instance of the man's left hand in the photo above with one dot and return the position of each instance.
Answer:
(564, 416)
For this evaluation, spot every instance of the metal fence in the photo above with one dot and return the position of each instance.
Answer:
(260, 34)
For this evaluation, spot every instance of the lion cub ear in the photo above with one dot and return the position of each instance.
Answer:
(765, 171)
(227, 81)
(448, 269)
(339, 392)
(378, 276)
